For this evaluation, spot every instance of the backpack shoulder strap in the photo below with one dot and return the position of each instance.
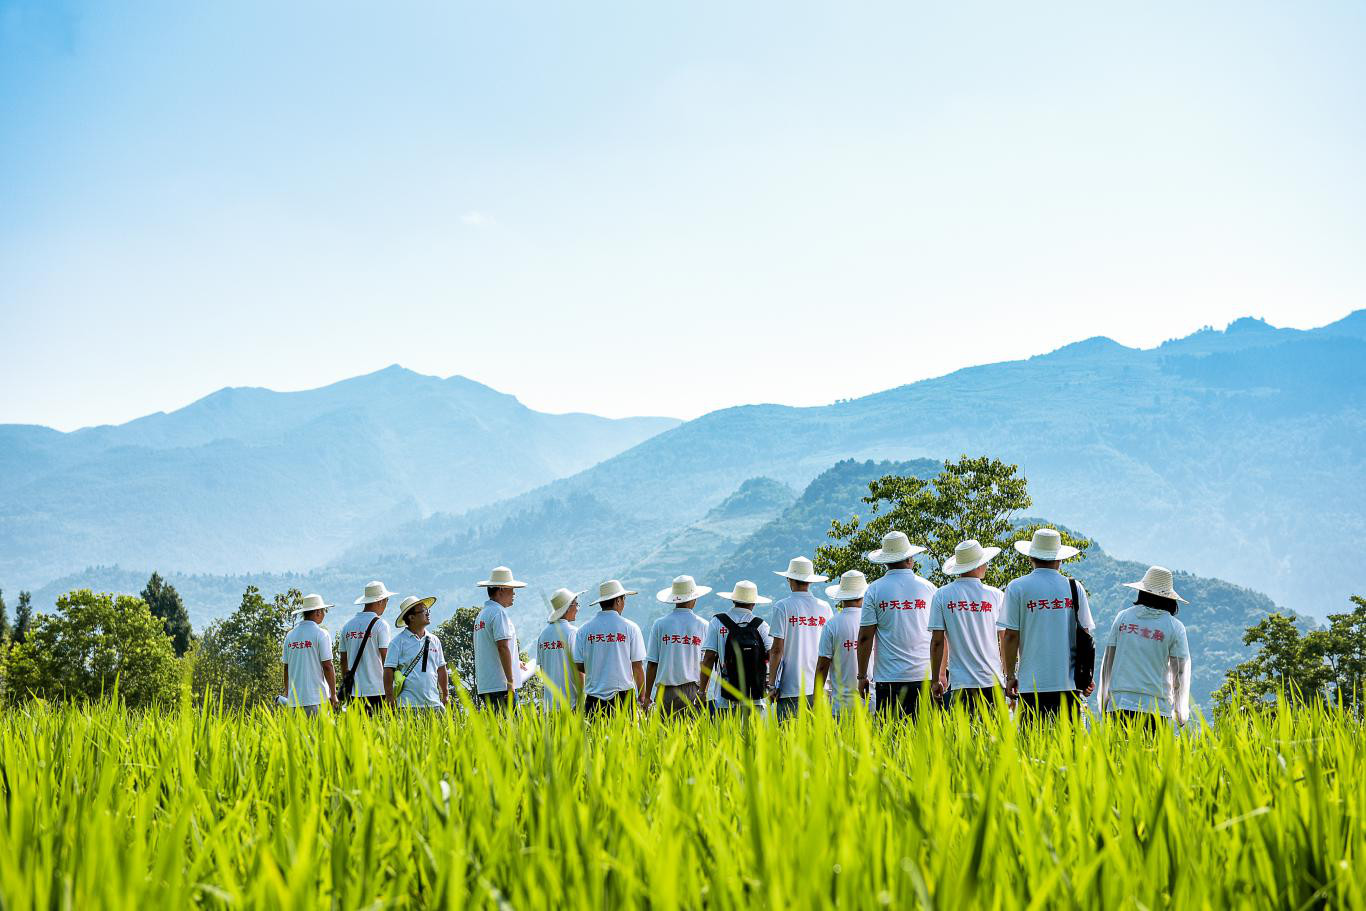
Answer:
(728, 622)
(1076, 601)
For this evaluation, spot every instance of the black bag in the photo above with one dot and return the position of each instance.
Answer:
(744, 662)
(1084, 652)
(348, 684)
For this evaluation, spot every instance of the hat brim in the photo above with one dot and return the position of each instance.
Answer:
(423, 602)
(814, 577)
(834, 594)
(668, 597)
(624, 591)
(557, 613)
(951, 568)
(489, 583)
(308, 610)
(1065, 552)
(758, 599)
(364, 600)
(882, 556)
(1138, 586)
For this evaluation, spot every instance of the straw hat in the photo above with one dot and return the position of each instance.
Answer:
(852, 586)
(501, 577)
(410, 604)
(559, 603)
(1157, 581)
(746, 592)
(1046, 545)
(311, 603)
(800, 569)
(968, 556)
(895, 548)
(374, 591)
(683, 590)
(611, 589)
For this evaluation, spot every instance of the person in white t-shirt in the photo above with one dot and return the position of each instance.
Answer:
(896, 617)
(837, 652)
(555, 653)
(744, 665)
(1041, 619)
(418, 655)
(307, 656)
(964, 619)
(496, 651)
(673, 650)
(796, 624)
(609, 651)
(1146, 672)
(366, 637)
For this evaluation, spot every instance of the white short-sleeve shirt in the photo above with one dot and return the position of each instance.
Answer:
(1145, 639)
(305, 649)
(1039, 606)
(798, 620)
(968, 611)
(675, 645)
(421, 688)
(715, 636)
(492, 626)
(607, 646)
(370, 672)
(898, 604)
(554, 656)
(839, 643)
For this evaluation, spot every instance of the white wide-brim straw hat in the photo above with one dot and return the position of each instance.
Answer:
(410, 604)
(895, 548)
(375, 591)
(800, 569)
(501, 577)
(968, 556)
(311, 602)
(559, 603)
(683, 590)
(746, 592)
(1157, 581)
(852, 586)
(1046, 545)
(612, 589)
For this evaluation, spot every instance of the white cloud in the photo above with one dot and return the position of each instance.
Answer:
(475, 219)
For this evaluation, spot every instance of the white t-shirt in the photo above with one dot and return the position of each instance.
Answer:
(716, 635)
(607, 646)
(898, 604)
(492, 626)
(675, 644)
(554, 656)
(839, 643)
(421, 688)
(968, 611)
(1039, 605)
(370, 673)
(798, 620)
(306, 647)
(1145, 639)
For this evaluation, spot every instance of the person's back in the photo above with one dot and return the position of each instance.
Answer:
(554, 656)
(968, 611)
(839, 643)
(1145, 640)
(369, 672)
(675, 647)
(1039, 606)
(715, 639)
(607, 646)
(799, 619)
(305, 649)
(897, 608)
(491, 626)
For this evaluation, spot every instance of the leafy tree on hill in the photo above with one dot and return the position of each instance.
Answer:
(239, 656)
(975, 497)
(167, 606)
(1344, 647)
(92, 644)
(23, 616)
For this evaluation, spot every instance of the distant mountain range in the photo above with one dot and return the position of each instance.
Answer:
(250, 479)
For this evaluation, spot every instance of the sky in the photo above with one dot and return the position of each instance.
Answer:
(655, 208)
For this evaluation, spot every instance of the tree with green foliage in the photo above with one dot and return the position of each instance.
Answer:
(1343, 645)
(971, 498)
(1287, 664)
(23, 617)
(166, 605)
(238, 657)
(4, 619)
(93, 645)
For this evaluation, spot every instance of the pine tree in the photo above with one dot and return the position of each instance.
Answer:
(166, 605)
(23, 615)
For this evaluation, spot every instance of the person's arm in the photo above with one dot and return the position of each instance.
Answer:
(937, 670)
(866, 635)
(822, 671)
(1181, 686)
(775, 664)
(505, 659)
(344, 662)
(651, 669)
(1107, 667)
(389, 685)
(330, 675)
(638, 671)
(1010, 646)
(383, 654)
(704, 671)
(442, 684)
(286, 681)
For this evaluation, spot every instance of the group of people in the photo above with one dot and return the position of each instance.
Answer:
(886, 644)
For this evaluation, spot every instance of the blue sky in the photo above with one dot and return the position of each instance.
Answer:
(633, 208)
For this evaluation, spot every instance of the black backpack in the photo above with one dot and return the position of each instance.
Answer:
(744, 660)
(1084, 652)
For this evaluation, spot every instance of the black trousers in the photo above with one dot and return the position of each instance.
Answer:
(593, 705)
(974, 699)
(1045, 706)
(1139, 722)
(898, 700)
(371, 704)
(495, 702)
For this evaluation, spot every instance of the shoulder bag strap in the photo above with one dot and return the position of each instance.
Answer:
(360, 653)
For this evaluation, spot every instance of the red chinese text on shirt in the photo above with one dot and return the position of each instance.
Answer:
(1045, 604)
(917, 604)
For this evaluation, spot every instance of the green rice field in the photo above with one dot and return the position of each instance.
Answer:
(218, 808)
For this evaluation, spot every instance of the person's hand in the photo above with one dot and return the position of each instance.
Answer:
(1090, 689)
(1013, 687)
(333, 699)
(645, 703)
(937, 689)
(863, 687)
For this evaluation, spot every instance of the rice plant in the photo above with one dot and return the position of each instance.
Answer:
(218, 808)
